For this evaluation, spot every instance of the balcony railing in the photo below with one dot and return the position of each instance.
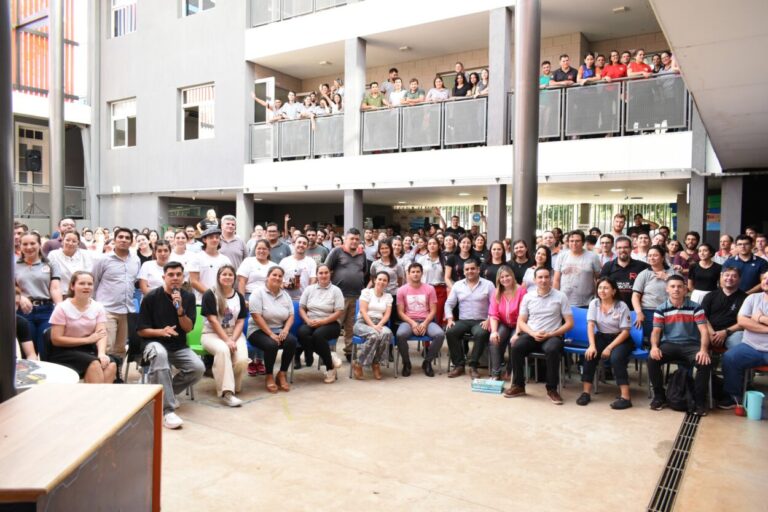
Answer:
(302, 138)
(270, 11)
(619, 107)
(34, 201)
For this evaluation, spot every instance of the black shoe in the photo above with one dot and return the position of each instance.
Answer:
(427, 367)
(309, 359)
(349, 357)
(700, 410)
(297, 363)
(406, 370)
(726, 403)
(583, 399)
(621, 403)
(658, 403)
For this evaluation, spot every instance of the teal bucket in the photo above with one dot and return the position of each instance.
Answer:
(753, 403)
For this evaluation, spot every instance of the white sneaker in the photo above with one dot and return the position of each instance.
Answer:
(231, 400)
(336, 360)
(330, 376)
(172, 421)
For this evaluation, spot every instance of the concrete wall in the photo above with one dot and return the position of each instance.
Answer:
(166, 53)
(134, 210)
(653, 42)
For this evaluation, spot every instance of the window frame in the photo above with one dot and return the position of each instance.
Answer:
(116, 5)
(201, 3)
(126, 117)
(200, 104)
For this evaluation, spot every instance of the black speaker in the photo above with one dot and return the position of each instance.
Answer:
(33, 160)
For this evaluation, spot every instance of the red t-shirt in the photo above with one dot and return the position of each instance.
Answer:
(640, 67)
(615, 71)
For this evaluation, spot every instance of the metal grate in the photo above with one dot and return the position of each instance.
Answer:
(664, 496)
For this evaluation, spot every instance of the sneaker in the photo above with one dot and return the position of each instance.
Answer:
(658, 403)
(252, 369)
(172, 421)
(726, 403)
(554, 397)
(700, 410)
(260, 368)
(230, 400)
(514, 392)
(621, 403)
(336, 360)
(583, 399)
(330, 376)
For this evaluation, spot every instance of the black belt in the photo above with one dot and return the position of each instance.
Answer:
(41, 302)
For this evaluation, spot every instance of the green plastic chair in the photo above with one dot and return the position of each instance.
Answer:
(194, 337)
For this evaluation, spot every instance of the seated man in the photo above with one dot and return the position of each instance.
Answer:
(473, 295)
(753, 318)
(166, 315)
(417, 307)
(545, 317)
(721, 307)
(679, 335)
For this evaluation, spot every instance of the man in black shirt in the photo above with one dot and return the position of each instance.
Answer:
(642, 225)
(624, 269)
(565, 75)
(454, 228)
(166, 315)
(722, 308)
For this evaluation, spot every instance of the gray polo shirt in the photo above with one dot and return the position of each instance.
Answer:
(234, 249)
(652, 289)
(275, 309)
(35, 280)
(113, 282)
(612, 322)
(545, 312)
(279, 251)
(321, 302)
(473, 301)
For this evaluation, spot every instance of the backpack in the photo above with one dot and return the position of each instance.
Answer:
(680, 391)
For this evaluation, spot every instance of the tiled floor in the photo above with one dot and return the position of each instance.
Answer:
(431, 444)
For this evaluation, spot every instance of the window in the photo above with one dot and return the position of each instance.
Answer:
(197, 112)
(195, 6)
(123, 17)
(124, 123)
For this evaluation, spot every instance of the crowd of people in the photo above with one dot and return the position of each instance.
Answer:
(83, 293)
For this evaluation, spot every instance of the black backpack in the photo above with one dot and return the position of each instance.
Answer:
(680, 391)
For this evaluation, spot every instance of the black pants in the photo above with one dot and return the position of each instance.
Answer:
(316, 340)
(684, 354)
(270, 347)
(552, 349)
(619, 359)
(455, 337)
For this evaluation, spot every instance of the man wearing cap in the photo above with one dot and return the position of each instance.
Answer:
(204, 265)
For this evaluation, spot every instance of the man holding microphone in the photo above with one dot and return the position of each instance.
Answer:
(167, 314)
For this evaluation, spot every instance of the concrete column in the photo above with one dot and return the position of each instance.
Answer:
(7, 306)
(244, 212)
(500, 61)
(56, 109)
(525, 171)
(354, 88)
(92, 134)
(698, 201)
(353, 209)
(497, 212)
(731, 193)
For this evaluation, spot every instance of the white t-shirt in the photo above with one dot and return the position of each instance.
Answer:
(305, 268)
(184, 260)
(152, 273)
(207, 266)
(377, 306)
(229, 319)
(254, 272)
(81, 260)
(577, 276)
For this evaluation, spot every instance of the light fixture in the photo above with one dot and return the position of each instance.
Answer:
(258, 199)
(405, 48)
(620, 9)
(636, 198)
(401, 202)
(325, 63)
(617, 190)
(464, 194)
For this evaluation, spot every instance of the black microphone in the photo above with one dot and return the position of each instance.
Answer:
(176, 303)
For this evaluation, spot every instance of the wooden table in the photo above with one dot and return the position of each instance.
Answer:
(82, 447)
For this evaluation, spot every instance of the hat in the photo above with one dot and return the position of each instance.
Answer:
(211, 231)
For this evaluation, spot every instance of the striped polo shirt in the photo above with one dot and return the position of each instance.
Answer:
(679, 324)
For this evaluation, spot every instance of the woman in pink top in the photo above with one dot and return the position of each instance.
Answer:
(79, 333)
(502, 311)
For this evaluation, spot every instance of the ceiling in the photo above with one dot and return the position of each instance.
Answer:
(595, 20)
(733, 103)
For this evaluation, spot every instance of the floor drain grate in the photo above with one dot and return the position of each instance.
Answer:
(666, 490)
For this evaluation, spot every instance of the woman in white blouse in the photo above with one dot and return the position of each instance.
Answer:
(375, 310)
(70, 258)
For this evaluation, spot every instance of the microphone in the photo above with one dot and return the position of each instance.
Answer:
(176, 303)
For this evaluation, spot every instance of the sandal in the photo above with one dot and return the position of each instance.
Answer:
(282, 382)
(270, 382)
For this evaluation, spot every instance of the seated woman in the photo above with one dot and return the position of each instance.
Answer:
(375, 309)
(502, 312)
(609, 315)
(25, 347)
(272, 312)
(79, 333)
(320, 307)
(224, 311)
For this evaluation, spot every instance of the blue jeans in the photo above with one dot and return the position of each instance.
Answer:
(39, 320)
(735, 361)
(734, 339)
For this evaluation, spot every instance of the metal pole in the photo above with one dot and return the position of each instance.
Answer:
(56, 108)
(7, 306)
(524, 175)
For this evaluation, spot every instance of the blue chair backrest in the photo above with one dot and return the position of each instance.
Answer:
(297, 321)
(636, 333)
(578, 333)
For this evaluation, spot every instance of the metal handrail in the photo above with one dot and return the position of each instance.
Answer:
(277, 129)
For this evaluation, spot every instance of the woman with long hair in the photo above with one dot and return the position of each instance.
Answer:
(541, 258)
(224, 311)
(503, 311)
(79, 333)
(387, 263)
(371, 324)
(703, 275)
(454, 264)
(650, 289)
(480, 250)
(433, 265)
(143, 249)
(520, 260)
(497, 258)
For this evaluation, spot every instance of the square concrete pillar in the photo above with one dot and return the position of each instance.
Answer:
(353, 209)
(354, 89)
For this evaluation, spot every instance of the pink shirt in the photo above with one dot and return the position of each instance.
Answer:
(507, 310)
(416, 301)
(78, 324)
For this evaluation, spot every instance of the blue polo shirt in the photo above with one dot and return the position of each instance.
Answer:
(750, 270)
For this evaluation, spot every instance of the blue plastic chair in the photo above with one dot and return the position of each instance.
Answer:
(639, 354)
(576, 340)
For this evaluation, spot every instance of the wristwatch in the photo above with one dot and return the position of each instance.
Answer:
(728, 332)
